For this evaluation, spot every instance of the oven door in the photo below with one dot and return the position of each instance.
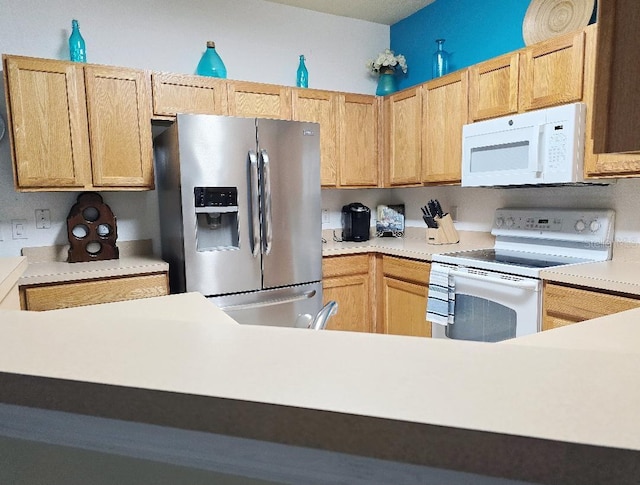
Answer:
(491, 306)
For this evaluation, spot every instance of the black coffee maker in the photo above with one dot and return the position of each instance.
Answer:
(356, 219)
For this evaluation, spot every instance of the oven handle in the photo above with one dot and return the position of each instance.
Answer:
(527, 284)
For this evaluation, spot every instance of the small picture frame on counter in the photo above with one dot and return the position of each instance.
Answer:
(390, 220)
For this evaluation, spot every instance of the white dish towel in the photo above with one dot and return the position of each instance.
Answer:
(441, 298)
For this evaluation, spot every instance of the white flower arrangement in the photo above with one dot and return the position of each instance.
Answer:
(387, 60)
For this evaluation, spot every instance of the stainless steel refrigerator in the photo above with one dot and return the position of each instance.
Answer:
(239, 203)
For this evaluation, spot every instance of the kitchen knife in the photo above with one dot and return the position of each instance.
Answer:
(438, 208)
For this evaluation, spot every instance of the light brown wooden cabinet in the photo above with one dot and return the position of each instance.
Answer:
(545, 74)
(551, 72)
(321, 107)
(78, 127)
(347, 280)
(566, 305)
(260, 100)
(402, 297)
(181, 93)
(605, 164)
(493, 87)
(348, 135)
(617, 90)
(403, 138)
(359, 140)
(54, 296)
(445, 109)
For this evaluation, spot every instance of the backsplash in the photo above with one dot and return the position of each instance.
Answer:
(474, 207)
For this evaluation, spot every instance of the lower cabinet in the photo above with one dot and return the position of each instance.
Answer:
(565, 305)
(55, 296)
(375, 293)
(402, 298)
(347, 280)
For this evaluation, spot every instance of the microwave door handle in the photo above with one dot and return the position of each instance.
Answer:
(524, 284)
(255, 209)
(535, 155)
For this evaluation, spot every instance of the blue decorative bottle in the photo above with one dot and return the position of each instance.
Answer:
(302, 77)
(77, 51)
(210, 64)
(440, 60)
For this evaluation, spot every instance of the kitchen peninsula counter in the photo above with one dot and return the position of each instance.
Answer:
(527, 412)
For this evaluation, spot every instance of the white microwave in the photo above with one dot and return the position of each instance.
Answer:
(538, 147)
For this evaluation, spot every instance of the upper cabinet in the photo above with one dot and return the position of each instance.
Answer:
(551, 72)
(359, 140)
(182, 93)
(493, 87)
(348, 135)
(403, 138)
(321, 107)
(617, 90)
(545, 74)
(78, 126)
(603, 164)
(259, 100)
(444, 112)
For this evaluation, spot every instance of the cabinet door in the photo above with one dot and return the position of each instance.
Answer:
(259, 100)
(493, 87)
(403, 297)
(358, 135)
(346, 280)
(48, 121)
(119, 109)
(444, 112)
(563, 305)
(617, 95)
(403, 125)
(551, 72)
(179, 93)
(604, 164)
(320, 107)
(80, 293)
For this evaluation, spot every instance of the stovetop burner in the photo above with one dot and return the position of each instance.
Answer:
(517, 258)
(530, 240)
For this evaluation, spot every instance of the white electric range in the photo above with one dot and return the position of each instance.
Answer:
(495, 293)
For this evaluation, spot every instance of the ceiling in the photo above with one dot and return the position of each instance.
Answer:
(386, 12)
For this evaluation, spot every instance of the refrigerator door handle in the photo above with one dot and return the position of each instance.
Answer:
(268, 230)
(255, 209)
(274, 301)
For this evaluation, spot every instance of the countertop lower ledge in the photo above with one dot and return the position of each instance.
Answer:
(525, 412)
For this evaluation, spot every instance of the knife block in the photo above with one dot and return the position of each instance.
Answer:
(446, 232)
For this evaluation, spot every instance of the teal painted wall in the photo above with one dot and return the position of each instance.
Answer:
(475, 30)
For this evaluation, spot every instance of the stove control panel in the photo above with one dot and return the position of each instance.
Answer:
(590, 225)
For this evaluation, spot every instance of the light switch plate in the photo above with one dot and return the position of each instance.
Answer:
(19, 228)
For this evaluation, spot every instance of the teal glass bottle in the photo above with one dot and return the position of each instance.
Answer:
(302, 76)
(210, 63)
(440, 60)
(77, 50)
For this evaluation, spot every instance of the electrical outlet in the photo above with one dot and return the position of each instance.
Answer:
(43, 219)
(325, 216)
(19, 228)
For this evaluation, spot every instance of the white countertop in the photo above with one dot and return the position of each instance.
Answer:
(412, 245)
(183, 344)
(10, 271)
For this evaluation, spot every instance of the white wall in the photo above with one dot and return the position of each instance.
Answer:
(258, 41)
